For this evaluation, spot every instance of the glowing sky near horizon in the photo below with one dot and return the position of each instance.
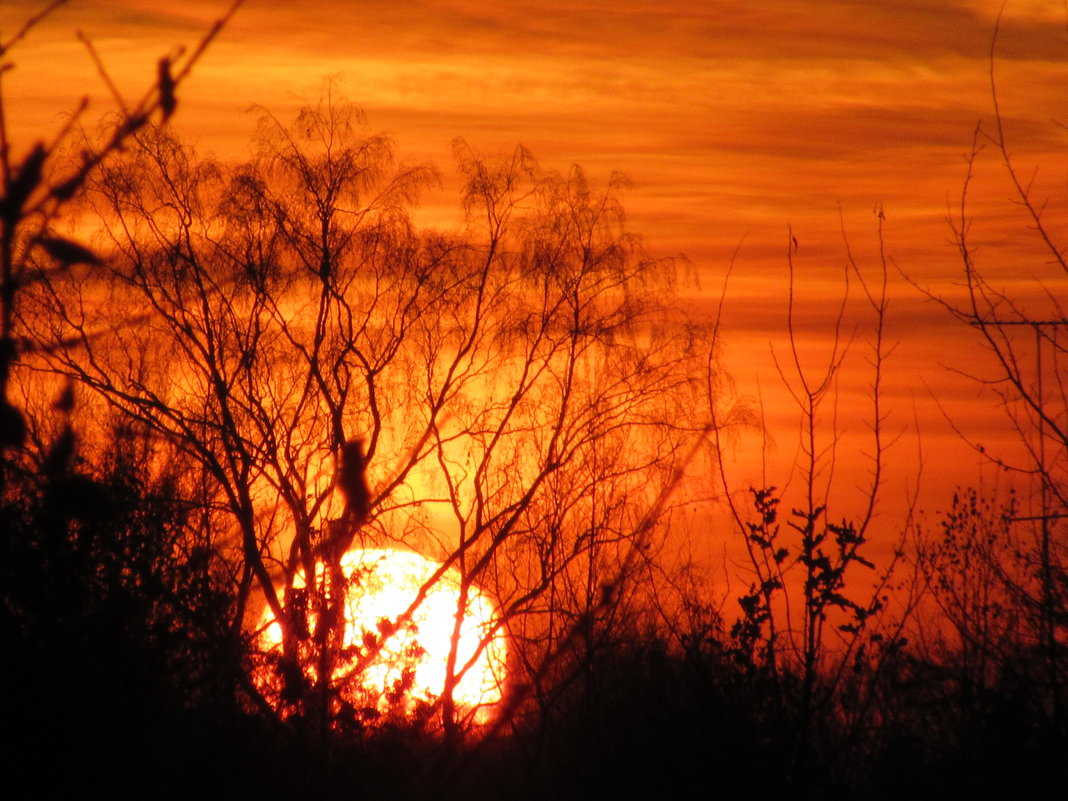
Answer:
(732, 120)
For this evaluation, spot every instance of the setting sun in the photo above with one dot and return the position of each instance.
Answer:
(404, 664)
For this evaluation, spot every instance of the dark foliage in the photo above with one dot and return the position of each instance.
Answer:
(115, 674)
(108, 622)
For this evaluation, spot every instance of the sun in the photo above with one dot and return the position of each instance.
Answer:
(388, 666)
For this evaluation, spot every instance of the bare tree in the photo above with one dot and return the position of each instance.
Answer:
(508, 400)
(1022, 328)
(38, 189)
(803, 622)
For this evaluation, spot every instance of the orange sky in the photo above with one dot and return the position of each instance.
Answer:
(732, 120)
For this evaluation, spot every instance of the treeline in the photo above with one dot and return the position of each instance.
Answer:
(121, 666)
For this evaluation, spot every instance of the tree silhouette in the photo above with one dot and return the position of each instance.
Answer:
(1000, 569)
(108, 616)
(804, 627)
(508, 400)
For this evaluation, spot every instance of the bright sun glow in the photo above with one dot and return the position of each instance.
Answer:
(409, 667)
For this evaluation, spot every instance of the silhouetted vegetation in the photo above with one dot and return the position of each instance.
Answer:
(177, 400)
